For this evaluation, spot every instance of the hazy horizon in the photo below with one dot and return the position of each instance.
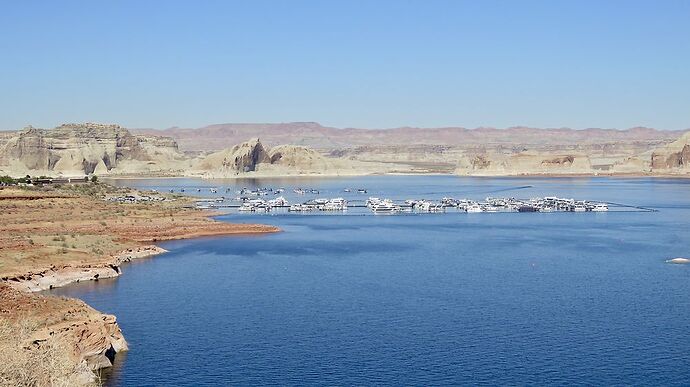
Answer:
(588, 64)
(345, 127)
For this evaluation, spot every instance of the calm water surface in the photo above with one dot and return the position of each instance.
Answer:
(558, 298)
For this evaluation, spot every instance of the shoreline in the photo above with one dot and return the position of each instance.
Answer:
(97, 338)
(634, 175)
(60, 276)
(65, 236)
(250, 175)
(57, 277)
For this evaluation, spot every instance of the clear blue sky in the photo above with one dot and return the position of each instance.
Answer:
(352, 63)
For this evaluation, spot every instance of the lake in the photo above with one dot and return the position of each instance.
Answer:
(435, 299)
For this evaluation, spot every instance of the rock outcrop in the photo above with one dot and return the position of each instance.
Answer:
(62, 275)
(65, 330)
(524, 163)
(252, 157)
(297, 157)
(312, 134)
(82, 149)
(675, 157)
(244, 157)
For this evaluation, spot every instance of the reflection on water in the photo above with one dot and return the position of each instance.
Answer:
(112, 374)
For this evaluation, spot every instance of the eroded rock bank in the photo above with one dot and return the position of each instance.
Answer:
(55, 236)
(58, 276)
(49, 340)
(67, 334)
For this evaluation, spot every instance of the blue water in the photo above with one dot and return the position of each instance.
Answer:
(506, 298)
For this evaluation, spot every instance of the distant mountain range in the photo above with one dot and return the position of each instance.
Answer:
(312, 134)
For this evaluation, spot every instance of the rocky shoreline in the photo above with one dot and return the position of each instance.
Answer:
(64, 331)
(56, 277)
(68, 235)
(95, 338)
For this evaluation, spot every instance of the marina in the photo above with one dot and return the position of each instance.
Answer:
(273, 200)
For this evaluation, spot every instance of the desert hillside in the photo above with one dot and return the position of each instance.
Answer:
(481, 151)
(311, 149)
(253, 158)
(82, 149)
(675, 156)
(312, 134)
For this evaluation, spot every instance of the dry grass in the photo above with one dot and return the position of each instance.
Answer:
(23, 363)
(73, 225)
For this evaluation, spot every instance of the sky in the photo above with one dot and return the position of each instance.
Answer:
(355, 63)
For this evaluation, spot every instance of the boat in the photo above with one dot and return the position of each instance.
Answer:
(600, 207)
(371, 201)
(278, 202)
(475, 208)
(262, 208)
(246, 207)
(337, 204)
(301, 208)
(384, 206)
(427, 206)
(450, 202)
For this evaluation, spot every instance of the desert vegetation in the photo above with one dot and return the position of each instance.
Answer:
(76, 228)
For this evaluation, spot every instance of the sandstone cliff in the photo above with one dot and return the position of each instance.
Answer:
(314, 135)
(252, 158)
(524, 163)
(240, 158)
(674, 158)
(79, 149)
(54, 340)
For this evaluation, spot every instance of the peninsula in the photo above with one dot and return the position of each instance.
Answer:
(59, 234)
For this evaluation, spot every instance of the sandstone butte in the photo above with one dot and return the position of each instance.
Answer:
(54, 236)
(289, 149)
